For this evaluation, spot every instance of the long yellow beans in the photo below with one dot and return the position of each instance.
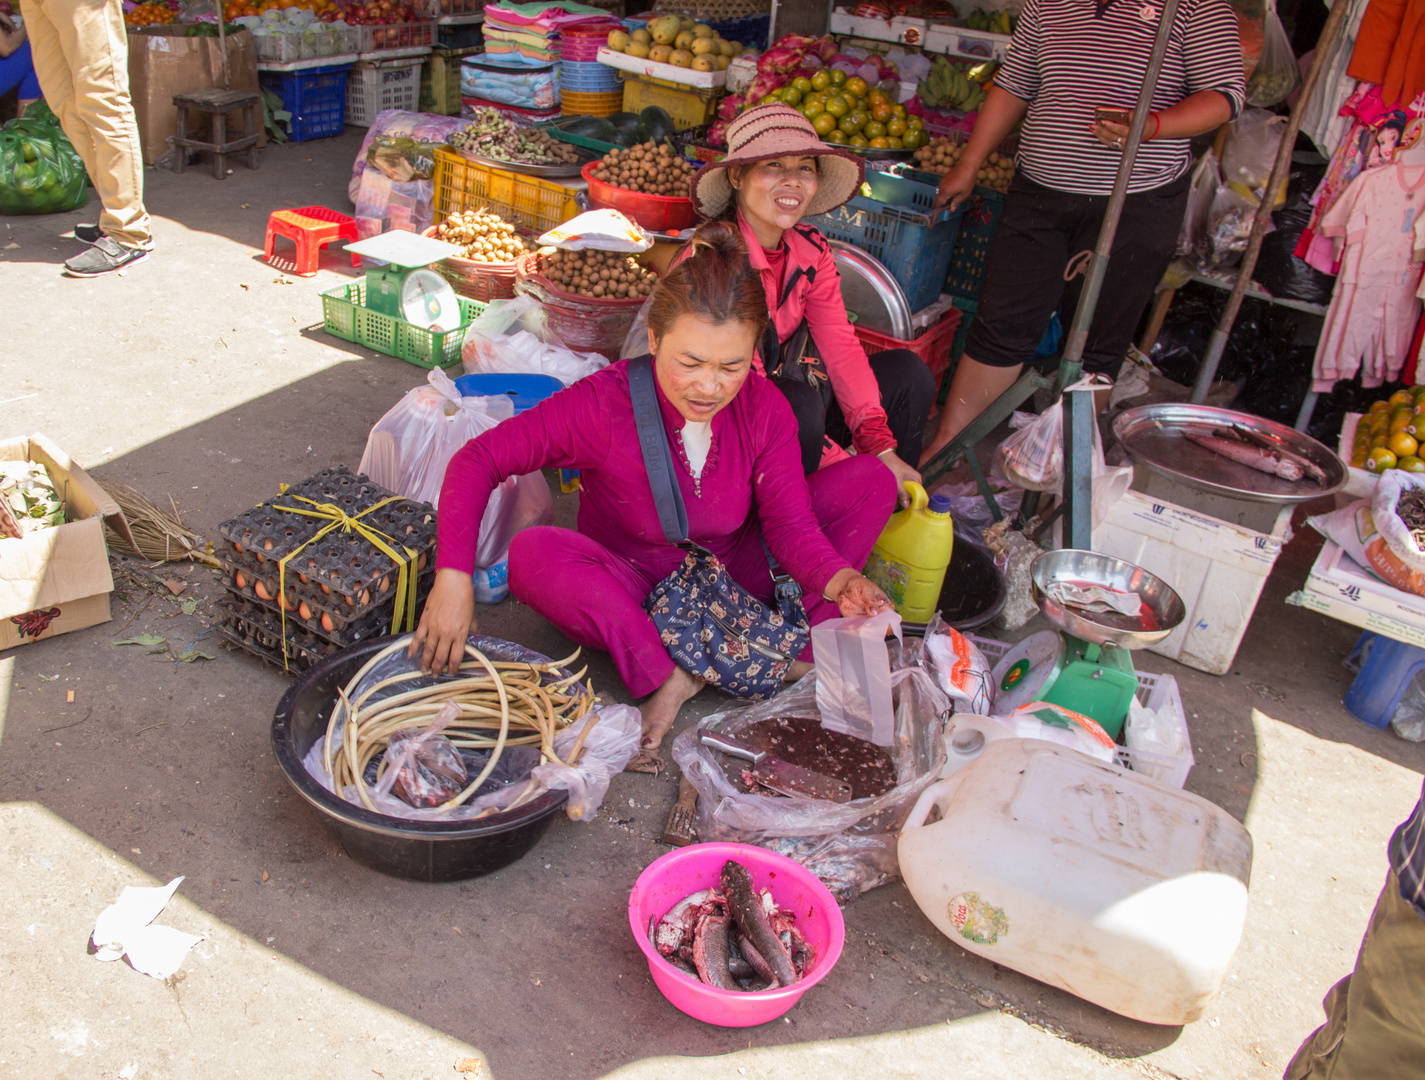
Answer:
(531, 699)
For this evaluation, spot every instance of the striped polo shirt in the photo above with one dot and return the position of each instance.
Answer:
(1069, 57)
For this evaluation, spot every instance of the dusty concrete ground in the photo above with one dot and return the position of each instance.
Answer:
(203, 374)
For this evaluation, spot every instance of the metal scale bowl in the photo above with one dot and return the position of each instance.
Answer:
(1084, 665)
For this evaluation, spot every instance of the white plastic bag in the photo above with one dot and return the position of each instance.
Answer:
(1155, 730)
(384, 205)
(959, 667)
(605, 230)
(409, 448)
(611, 744)
(513, 336)
(853, 683)
(1206, 178)
(1277, 72)
(1397, 535)
(1033, 457)
(1053, 723)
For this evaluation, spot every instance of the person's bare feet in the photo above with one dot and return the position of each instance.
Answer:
(659, 712)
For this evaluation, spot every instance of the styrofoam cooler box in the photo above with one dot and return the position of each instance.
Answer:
(1215, 552)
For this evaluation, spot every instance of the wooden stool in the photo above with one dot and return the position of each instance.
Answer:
(311, 228)
(218, 103)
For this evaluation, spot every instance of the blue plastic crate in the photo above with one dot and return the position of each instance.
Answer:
(751, 30)
(316, 98)
(977, 226)
(898, 226)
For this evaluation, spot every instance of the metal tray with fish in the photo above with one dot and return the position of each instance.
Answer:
(1163, 438)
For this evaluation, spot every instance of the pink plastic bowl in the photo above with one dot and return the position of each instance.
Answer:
(699, 866)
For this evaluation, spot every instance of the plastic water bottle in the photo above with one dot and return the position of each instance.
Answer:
(492, 583)
(909, 560)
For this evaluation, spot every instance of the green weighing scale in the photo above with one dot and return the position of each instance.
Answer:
(1085, 664)
(403, 286)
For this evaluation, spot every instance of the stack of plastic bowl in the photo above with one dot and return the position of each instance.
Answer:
(587, 87)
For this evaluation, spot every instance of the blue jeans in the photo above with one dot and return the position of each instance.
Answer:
(17, 70)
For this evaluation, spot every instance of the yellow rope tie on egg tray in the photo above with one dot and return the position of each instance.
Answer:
(366, 730)
(337, 518)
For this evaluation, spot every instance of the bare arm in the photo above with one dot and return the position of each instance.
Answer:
(11, 36)
(999, 115)
(1195, 114)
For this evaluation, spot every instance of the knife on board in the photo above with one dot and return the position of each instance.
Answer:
(775, 774)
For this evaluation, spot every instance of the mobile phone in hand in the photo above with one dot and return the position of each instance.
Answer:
(1112, 116)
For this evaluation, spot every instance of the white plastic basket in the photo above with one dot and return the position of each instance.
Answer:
(1155, 692)
(373, 86)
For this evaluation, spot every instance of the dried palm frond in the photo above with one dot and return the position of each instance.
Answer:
(158, 535)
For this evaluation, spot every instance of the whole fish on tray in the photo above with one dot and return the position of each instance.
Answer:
(1255, 451)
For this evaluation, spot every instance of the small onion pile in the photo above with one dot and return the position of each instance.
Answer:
(491, 134)
(603, 275)
(501, 704)
(941, 155)
(485, 236)
(648, 168)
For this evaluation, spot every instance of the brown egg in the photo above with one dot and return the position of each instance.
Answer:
(266, 544)
(303, 610)
(239, 580)
(326, 590)
(237, 547)
(303, 579)
(326, 622)
(260, 588)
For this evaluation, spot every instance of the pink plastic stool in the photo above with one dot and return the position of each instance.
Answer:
(311, 228)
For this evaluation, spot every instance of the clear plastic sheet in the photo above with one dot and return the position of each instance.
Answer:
(514, 336)
(410, 447)
(423, 127)
(851, 846)
(519, 776)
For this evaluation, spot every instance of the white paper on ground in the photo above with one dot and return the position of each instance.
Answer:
(853, 676)
(122, 929)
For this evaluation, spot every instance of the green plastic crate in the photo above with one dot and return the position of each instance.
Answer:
(345, 316)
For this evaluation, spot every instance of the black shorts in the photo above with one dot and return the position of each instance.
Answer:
(1044, 235)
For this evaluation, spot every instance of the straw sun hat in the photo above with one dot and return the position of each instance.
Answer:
(775, 131)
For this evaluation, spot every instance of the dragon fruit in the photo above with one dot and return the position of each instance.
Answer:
(717, 134)
(731, 106)
(824, 50)
(763, 85)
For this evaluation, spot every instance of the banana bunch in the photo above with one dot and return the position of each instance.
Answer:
(949, 86)
(991, 22)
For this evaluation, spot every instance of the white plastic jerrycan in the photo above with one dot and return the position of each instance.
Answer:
(1113, 886)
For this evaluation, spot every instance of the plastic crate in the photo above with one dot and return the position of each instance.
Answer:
(466, 36)
(1155, 692)
(688, 107)
(316, 98)
(898, 226)
(933, 346)
(323, 40)
(527, 201)
(345, 315)
(411, 35)
(751, 30)
(377, 85)
(440, 81)
(978, 221)
(434, 9)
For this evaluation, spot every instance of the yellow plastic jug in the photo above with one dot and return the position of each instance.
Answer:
(910, 558)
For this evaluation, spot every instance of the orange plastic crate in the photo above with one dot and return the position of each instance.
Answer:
(528, 201)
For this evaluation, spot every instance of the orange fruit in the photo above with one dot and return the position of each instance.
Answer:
(1402, 445)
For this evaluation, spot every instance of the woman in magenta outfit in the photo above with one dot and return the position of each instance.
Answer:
(738, 466)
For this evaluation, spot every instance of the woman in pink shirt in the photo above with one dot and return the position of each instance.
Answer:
(776, 172)
(737, 464)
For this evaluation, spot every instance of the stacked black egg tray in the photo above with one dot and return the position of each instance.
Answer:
(339, 590)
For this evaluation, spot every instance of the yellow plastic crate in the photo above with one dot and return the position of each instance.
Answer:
(461, 184)
(689, 106)
(440, 81)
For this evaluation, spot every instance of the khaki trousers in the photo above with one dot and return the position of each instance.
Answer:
(1375, 1017)
(80, 51)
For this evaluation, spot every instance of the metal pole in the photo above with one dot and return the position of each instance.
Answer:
(1077, 507)
(1217, 344)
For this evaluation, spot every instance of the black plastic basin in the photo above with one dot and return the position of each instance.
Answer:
(973, 593)
(424, 850)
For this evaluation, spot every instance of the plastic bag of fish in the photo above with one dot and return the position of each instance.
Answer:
(733, 937)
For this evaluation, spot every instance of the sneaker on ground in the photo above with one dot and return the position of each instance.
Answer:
(87, 233)
(105, 256)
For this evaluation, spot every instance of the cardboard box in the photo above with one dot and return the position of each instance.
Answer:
(164, 61)
(57, 580)
(1345, 611)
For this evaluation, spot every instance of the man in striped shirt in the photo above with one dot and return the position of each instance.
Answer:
(1069, 61)
(1375, 1017)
